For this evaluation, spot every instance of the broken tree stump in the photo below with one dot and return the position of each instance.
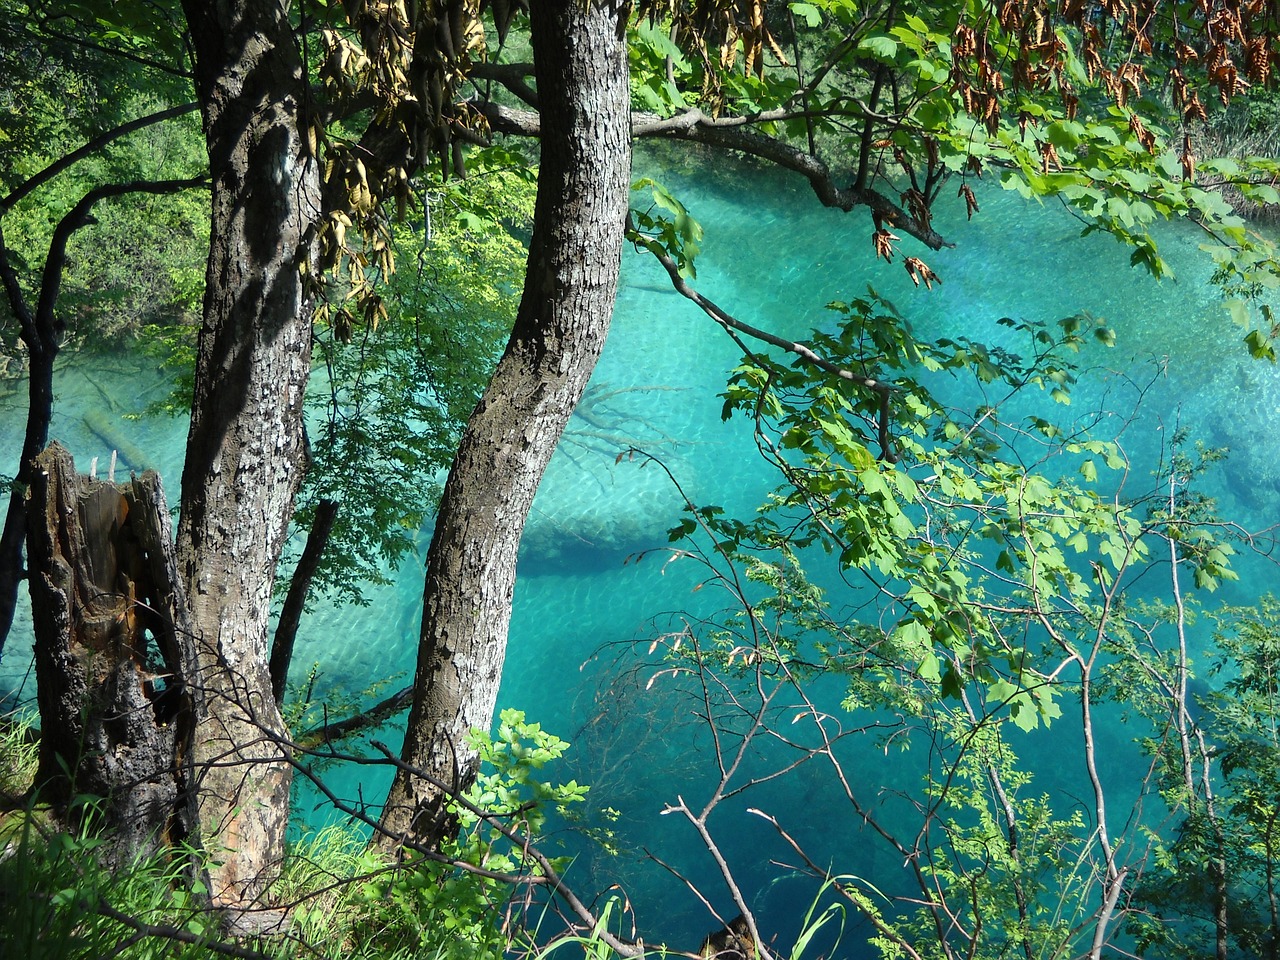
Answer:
(115, 659)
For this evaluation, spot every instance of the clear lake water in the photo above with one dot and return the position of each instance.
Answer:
(583, 617)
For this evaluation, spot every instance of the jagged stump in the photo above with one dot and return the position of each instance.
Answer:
(114, 654)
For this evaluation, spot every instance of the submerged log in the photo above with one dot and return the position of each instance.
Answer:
(114, 655)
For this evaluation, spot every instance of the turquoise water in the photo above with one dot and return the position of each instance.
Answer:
(773, 257)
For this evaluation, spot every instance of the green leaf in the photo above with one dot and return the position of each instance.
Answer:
(880, 47)
(812, 17)
(1260, 346)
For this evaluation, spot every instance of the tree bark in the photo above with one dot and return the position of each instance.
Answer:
(560, 328)
(295, 600)
(39, 414)
(114, 654)
(245, 448)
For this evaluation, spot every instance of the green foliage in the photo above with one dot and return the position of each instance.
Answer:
(678, 236)
(508, 786)
(346, 899)
(993, 855)
(19, 753)
(931, 500)
(985, 560)
(141, 261)
(62, 903)
(648, 50)
(390, 396)
(914, 100)
(460, 912)
(1220, 860)
(1014, 873)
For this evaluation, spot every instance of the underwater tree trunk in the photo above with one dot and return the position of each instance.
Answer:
(570, 284)
(114, 654)
(245, 449)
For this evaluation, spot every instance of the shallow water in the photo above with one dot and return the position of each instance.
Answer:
(773, 257)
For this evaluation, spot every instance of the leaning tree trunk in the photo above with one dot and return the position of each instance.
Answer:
(245, 449)
(570, 284)
(39, 413)
(113, 655)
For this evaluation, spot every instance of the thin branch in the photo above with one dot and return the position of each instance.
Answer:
(93, 146)
(803, 351)
(699, 824)
(175, 934)
(884, 929)
(80, 41)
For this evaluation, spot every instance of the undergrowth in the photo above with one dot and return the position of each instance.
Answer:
(344, 898)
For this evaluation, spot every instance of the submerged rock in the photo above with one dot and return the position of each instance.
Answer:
(594, 510)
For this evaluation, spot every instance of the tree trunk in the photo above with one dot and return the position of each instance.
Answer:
(42, 332)
(39, 413)
(245, 449)
(113, 654)
(295, 600)
(570, 284)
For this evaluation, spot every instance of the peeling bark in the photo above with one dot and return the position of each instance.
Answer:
(570, 285)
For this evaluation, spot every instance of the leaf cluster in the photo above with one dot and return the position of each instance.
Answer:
(141, 261)
(460, 912)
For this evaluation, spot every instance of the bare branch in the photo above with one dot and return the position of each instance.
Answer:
(882, 928)
(740, 901)
(174, 934)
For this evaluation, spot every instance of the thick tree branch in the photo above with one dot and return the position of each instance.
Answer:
(513, 76)
(734, 133)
